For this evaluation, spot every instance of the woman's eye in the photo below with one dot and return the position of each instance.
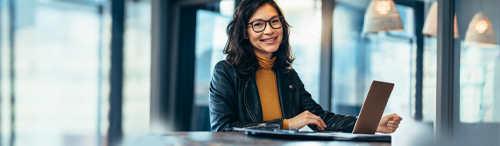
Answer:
(276, 21)
(257, 24)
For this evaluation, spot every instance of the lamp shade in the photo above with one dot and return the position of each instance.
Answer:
(480, 31)
(430, 25)
(382, 15)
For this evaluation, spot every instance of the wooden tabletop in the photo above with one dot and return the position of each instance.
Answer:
(239, 138)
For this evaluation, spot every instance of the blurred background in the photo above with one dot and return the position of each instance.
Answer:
(99, 72)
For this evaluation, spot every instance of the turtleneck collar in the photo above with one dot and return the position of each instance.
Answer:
(264, 63)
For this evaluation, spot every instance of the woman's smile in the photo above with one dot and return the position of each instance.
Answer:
(269, 40)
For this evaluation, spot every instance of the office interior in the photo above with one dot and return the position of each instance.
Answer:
(103, 72)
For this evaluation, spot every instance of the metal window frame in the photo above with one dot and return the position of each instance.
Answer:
(12, 71)
(447, 72)
(1, 35)
(115, 117)
(326, 58)
(159, 69)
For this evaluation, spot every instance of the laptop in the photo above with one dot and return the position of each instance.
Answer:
(364, 129)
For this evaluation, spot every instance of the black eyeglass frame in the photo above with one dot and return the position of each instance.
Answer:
(265, 24)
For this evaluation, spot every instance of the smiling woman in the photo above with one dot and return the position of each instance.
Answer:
(246, 34)
(264, 39)
(256, 86)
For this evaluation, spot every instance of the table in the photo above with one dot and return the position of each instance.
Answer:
(237, 138)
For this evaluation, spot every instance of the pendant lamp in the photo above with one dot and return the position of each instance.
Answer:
(382, 15)
(430, 25)
(480, 32)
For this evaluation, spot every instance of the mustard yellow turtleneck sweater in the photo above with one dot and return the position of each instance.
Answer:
(268, 90)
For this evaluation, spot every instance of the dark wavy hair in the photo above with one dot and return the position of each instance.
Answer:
(240, 54)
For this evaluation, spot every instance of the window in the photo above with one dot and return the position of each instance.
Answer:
(56, 80)
(479, 62)
(61, 71)
(361, 58)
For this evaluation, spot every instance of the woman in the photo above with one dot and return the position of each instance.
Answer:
(256, 86)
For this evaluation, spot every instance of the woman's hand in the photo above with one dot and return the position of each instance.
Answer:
(306, 118)
(389, 123)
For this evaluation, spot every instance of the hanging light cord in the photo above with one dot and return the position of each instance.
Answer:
(481, 5)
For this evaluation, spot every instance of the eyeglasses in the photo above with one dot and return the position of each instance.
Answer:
(260, 25)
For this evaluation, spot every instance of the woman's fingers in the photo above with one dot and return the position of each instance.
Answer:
(307, 118)
(393, 122)
(319, 125)
(312, 116)
(392, 125)
(397, 118)
(315, 122)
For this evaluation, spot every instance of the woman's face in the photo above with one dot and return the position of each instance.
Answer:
(267, 42)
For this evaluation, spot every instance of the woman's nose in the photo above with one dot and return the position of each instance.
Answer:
(268, 29)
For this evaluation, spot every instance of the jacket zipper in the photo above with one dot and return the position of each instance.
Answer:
(245, 100)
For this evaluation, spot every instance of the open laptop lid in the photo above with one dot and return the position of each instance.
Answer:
(373, 107)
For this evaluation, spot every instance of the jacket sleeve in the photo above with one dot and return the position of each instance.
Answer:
(223, 103)
(334, 122)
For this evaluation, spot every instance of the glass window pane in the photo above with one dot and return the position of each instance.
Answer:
(348, 59)
(478, 105)
(56, 73)
(62, 61)
(361, 58)
(479, 60)
(137, 67)
(210, 41)
(429, 81)
(478, 68)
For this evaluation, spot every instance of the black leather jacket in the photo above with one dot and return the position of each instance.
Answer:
(234, 101)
